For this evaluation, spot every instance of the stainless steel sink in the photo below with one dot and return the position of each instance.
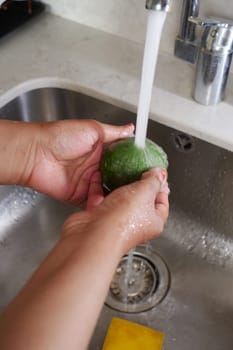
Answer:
(196, 311)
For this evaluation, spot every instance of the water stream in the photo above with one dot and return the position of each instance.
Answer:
(154, 30)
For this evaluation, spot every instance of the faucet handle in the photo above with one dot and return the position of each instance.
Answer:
(209, 22)
(217, 36)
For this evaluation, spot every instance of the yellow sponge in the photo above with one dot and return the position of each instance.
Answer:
(126, 335)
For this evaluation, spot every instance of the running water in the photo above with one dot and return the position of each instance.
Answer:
(129, 273)
(154, 29)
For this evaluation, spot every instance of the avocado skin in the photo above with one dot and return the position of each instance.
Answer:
(123, 162)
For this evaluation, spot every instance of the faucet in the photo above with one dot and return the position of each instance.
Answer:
(185, 44)
(158, 5)
(212, 53)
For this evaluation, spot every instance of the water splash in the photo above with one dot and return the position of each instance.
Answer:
(202, 241)
(16, 202)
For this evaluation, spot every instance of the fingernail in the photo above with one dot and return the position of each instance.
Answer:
(162, 175)
(165, 188)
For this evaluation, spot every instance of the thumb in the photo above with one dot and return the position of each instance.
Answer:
(95, 193)
(113, 132)
(155, 178)
(161, 191)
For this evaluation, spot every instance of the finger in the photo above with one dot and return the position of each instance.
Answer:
(165, 188)
(95, 193)
(80, 193)
(162, 204)
(162, 175)
(112, 133)
(87, 169)
(155, 179)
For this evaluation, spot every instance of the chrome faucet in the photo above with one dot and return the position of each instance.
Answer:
(212, 53)
(158, 5)
(185, 44)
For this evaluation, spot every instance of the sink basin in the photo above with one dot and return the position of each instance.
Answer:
(196, 308)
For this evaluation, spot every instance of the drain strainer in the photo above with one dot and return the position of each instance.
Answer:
(183, 142)
(140, 282)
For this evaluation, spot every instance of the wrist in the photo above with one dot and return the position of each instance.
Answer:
(18, 149)
(110, 239)
(115, 229)
(82, 232)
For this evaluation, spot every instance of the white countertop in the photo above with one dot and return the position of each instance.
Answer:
(51, 51)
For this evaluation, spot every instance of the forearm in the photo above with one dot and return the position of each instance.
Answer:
(59, 307)
(18, 144)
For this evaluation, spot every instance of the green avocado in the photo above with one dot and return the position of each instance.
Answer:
(123, 162)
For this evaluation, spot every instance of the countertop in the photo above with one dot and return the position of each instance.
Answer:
(51, 51)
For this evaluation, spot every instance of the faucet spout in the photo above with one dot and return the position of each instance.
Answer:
(187, 31)
(158, 5)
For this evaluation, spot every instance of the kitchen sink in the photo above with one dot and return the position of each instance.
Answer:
(192, 260)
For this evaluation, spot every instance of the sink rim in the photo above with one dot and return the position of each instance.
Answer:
(210, 130)
(60, 83)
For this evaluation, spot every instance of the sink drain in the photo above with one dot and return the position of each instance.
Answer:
(183, 142)
(139, 283)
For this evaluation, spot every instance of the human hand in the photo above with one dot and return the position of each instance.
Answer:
(67, 154)
(136, 212)
(58, 297)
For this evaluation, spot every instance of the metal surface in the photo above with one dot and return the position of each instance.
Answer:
(158, 5)
(217, 37)
(141, 281)
(197, 244)
(187, 29)
(210, 82)
(185, 44)
(214, 60)
(213, 53)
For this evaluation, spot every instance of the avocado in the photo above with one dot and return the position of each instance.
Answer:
(123, 162)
